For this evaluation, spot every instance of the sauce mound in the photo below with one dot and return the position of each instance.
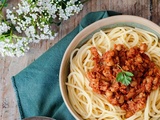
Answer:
(102, 77)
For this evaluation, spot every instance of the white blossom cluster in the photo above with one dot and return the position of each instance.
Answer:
(4, 28)
(11, 45)
(16, 48)
(71, 9)
(62, 9)
(30, 20)
(33, 19)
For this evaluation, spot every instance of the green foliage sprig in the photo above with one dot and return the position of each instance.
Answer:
(124, 77)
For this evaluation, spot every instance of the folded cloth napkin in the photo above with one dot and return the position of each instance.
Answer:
(37, 86)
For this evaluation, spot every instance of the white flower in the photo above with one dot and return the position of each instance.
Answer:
(35, 9)
(34, 16)
(8, 11)
(18, 29)
(46, 29)
(4, 28)
(28, 20)
(24, 6)
(9, 15)
(29, 32)
(2, 43)
(43, 36)
(31, 29)
(71, 1)
(7, 40)
(39, 3)
(19, 11)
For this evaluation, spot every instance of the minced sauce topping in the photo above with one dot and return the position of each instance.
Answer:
(132, 97)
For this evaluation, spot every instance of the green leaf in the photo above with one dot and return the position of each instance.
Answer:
(129, 73)
(128, 78)
(119, 76)
(125, 82)
(124, 77)
(4, 3)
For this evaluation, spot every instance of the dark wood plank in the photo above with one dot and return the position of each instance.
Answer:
(132, 7)
(155, 10)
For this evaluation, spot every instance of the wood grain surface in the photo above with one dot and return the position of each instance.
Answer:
(149, 9)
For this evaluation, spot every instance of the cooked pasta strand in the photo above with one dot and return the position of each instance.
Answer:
(93, 106)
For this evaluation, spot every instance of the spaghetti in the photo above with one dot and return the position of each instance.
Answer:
(91, 105)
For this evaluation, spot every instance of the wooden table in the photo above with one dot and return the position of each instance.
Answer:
(149, 9)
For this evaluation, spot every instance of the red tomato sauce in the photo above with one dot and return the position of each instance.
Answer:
(133, 97)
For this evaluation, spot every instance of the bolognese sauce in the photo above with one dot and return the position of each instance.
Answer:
(132, 97)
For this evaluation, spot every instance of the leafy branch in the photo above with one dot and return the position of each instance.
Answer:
(3, 4)
(124, 77)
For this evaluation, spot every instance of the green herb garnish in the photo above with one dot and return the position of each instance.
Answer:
(124, 77)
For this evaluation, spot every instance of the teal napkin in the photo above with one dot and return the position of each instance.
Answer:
(37, 86)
